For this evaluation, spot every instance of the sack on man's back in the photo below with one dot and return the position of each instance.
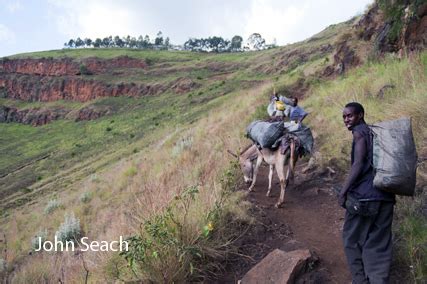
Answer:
(394, 156)
(265, 133)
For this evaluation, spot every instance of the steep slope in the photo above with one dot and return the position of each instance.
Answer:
(142, 146)
(115, 102)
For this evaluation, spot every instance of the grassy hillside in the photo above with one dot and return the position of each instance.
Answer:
(119, 171)
(52, 157)
(157, 168)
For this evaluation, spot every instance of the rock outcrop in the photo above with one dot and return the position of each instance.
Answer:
(67, 66)
(50, 88)
(184, 85)
(32, 116)
(48, 79)
(279, 267)
(92, 112)
(409, 32)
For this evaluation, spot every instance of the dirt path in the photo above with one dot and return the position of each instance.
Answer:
(314, 217)
(310, 218)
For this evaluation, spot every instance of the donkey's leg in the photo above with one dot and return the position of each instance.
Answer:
(270, 178)
(292, 160)
(280, 168)
(258, 163)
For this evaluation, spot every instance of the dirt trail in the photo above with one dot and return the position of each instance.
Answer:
(310, 218)
(314, 217)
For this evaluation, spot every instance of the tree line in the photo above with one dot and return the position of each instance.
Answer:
(121, 42)
(211, 44)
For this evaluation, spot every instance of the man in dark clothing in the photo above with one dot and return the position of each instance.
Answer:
(369, 214)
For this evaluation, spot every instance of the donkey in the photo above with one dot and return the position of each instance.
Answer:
(275, 160)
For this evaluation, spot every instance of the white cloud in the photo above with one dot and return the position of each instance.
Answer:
(282, 20)
(93, 18)
(274, 21)
(13, 6)
(6, 34)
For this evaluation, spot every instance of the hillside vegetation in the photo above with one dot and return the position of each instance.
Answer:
(50, 157)
(155, 169)
(123, 169)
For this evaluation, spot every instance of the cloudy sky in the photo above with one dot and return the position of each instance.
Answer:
(36, 25)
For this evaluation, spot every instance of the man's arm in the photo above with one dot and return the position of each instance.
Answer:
(301, 118)
(286, 100)
(360, 153)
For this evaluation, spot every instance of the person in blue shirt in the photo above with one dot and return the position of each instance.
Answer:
(295, 112)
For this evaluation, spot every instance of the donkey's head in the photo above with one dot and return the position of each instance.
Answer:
(247, 167)
(246, 158)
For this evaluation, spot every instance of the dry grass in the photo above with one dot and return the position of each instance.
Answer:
(407, 98)
(135, 190)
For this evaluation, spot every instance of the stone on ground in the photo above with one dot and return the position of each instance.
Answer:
(278, 267)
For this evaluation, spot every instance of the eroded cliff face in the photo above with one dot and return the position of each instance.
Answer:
(47, 79)
(52, 88)
(67, 66)
(34, 116)
(372, 36)
(411, 36)
(59, 79)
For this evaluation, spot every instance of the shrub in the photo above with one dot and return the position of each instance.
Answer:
(3, 265)
(41, 237)
(3, 92)
(70, 229)
(86, 197)
(165, 249)
(181, 145)
(83, 70)
(52, 205)
(185, 244)
(131, 171)
(149, 61)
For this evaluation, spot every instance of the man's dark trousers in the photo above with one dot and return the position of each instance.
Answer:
(368, 244)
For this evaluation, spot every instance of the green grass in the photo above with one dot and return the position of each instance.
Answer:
(108, 53)
(70, 143)
(147, 131)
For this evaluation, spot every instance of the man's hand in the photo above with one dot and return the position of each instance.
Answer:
(342, 199)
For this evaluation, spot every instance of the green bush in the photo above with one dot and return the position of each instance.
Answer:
(86, 197)
(52, 205)
(69, 230)
(42, 235)
(84, 70)
(170, 248)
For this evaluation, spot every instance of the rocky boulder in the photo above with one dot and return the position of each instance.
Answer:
(279, 267)
(32, 116)
(183, 85)
(92, 112)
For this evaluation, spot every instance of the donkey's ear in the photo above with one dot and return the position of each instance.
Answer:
(232, 154)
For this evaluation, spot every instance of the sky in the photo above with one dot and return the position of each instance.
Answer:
(27, 26)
